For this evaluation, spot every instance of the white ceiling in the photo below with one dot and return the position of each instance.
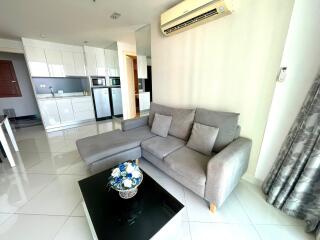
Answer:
(76, 21)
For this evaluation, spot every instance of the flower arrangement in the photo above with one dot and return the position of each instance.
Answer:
(126, 176)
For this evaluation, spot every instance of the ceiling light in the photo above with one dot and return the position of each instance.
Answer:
(115, 16)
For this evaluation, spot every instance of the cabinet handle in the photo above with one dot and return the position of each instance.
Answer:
(13, 81)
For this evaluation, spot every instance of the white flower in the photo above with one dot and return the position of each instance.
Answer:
(127, 183)
(115, 172)
(136, 174)
(129, 168)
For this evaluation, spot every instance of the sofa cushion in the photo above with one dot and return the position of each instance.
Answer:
(203, 138)
(182, 119)
(237, 134)
(95, 148)
(161, 147)
(161, 125)
(189, 163)
(225, 121)
(184, 180)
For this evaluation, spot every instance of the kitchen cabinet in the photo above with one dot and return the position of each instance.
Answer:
(112, 63)
(55, 64)
(142, 67)
(116, 101)
(59, 112)
(49, 112)
(144, 100)
(95, 61)
(48, 59)
(80, 66)
(83, 108)
(73, 63)
(101, 64)
(37, 61)
(91, 63)
(68, 63)
(65, 110)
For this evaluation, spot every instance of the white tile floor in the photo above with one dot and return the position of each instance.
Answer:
(40, 198)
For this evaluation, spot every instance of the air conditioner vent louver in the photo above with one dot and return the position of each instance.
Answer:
(192, 21)
(191, 13)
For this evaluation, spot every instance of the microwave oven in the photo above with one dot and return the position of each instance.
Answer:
(98, 81)
(115, 81)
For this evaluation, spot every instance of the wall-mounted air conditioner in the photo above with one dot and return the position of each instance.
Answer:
(191, 13)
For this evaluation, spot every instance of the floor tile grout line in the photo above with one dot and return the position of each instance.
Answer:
(37, 214)
(49, 174)
(245, 211)
(41, 190)
(80, 201)
(7, 219)
(60, 228)
(185, 201)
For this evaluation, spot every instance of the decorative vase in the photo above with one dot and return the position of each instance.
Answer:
(126, 194)
(126, 178)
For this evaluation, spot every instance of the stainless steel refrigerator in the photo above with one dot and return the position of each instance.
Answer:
(116, 101)
(101, 101)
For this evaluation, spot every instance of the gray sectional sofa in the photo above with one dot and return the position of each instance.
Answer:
(211, 177)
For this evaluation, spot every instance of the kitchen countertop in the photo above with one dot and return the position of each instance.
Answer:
(59, 96)
(111, 86)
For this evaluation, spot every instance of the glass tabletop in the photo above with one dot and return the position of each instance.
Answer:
(140, 217)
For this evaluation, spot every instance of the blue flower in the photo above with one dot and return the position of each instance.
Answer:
(117, 179)
(129, 175)
(122, 167)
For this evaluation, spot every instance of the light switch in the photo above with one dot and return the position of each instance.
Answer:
(282, 74)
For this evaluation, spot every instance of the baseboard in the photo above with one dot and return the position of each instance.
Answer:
(251, 179)
(32, 117)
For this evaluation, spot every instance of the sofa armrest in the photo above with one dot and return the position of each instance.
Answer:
(225, 169)
(134, 123)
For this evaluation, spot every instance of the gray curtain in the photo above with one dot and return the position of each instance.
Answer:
(293, 184)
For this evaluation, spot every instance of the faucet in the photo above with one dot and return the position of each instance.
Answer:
(51, 90)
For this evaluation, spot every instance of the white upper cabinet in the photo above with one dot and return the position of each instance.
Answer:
(68, 63)
(79, 63)
(101, 63)
(112, 62)
(95, 61)
(91, 63)
(73, 63)
(37, 61)
(48, 59)
(55, 64)
(142, 67)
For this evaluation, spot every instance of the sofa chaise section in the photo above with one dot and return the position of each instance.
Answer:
(111, 148)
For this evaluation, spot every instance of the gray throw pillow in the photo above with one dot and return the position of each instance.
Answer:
(203, 138)
(161, 125)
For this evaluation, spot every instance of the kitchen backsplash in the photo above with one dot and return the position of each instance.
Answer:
(67, 84)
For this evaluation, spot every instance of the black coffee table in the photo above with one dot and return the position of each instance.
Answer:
(152, 213)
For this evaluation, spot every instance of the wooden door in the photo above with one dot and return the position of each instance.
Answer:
(9, 86)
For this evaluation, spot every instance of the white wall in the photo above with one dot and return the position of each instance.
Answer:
(229, 64)
(126, 48)
(302, 57)
(26, 104)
